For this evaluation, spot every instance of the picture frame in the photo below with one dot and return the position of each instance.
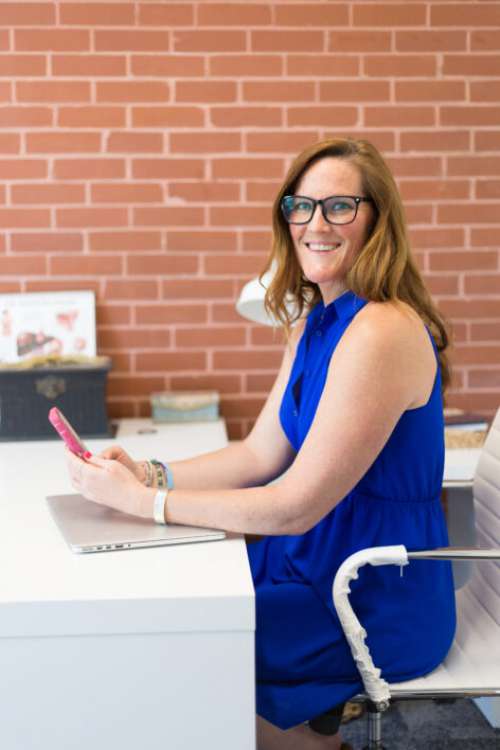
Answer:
(37, 324)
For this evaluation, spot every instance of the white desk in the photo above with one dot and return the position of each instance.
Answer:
(147, 648)
(460, 467)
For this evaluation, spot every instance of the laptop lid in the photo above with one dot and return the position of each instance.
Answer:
(90, 527)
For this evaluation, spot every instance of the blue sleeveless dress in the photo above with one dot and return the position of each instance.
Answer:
(303, 663)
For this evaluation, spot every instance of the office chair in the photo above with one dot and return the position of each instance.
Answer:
(472, 666)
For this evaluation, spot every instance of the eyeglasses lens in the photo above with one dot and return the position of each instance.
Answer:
(340, 210)
(297, 210)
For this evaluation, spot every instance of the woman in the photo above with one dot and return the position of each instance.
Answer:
(355, 417)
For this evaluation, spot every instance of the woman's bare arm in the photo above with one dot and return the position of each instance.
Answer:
(383, 365)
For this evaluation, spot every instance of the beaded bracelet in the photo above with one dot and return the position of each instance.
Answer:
(161, 479)
(148, 473)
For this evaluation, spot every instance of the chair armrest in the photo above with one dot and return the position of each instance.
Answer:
(456, 553)
(375, 686)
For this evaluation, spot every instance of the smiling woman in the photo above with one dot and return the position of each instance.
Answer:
(347, 452)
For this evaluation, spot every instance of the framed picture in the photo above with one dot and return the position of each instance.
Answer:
(47, 323)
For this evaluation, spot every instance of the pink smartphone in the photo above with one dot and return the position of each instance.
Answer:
(65, 430)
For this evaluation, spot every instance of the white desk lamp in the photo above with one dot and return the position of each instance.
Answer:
(250, 304)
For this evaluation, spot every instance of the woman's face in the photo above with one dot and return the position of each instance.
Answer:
(326, 251)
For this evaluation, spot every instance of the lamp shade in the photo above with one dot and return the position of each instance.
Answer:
(250, 304)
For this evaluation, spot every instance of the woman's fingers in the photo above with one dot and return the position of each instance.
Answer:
(73, 464)
(114, 452)
(79, 470)
(100, 461)
(107, 481)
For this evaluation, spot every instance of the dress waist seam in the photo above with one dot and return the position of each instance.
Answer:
(395, 500)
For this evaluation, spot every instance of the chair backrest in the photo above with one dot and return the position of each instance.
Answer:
(484, 583)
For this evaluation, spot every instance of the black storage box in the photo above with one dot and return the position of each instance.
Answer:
(77, 389)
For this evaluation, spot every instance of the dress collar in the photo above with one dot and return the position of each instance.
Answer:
(341, 308)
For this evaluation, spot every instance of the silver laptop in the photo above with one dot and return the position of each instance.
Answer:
(90, 527)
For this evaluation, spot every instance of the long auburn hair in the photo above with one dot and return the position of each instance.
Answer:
(383, 270)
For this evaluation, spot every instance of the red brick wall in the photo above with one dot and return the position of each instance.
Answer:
(141, 144)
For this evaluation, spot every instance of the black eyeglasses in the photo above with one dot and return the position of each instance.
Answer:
(337, 209)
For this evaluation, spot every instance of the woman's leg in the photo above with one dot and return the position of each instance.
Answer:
(300, 737)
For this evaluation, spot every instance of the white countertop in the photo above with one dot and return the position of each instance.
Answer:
(460, 466)
(45, 589)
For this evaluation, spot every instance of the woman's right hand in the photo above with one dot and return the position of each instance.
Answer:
(116, 453)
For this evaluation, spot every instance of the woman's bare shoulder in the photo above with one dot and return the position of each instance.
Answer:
(392, 320)
(392, 333)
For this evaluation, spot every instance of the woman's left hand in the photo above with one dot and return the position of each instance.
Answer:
(110, 483)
